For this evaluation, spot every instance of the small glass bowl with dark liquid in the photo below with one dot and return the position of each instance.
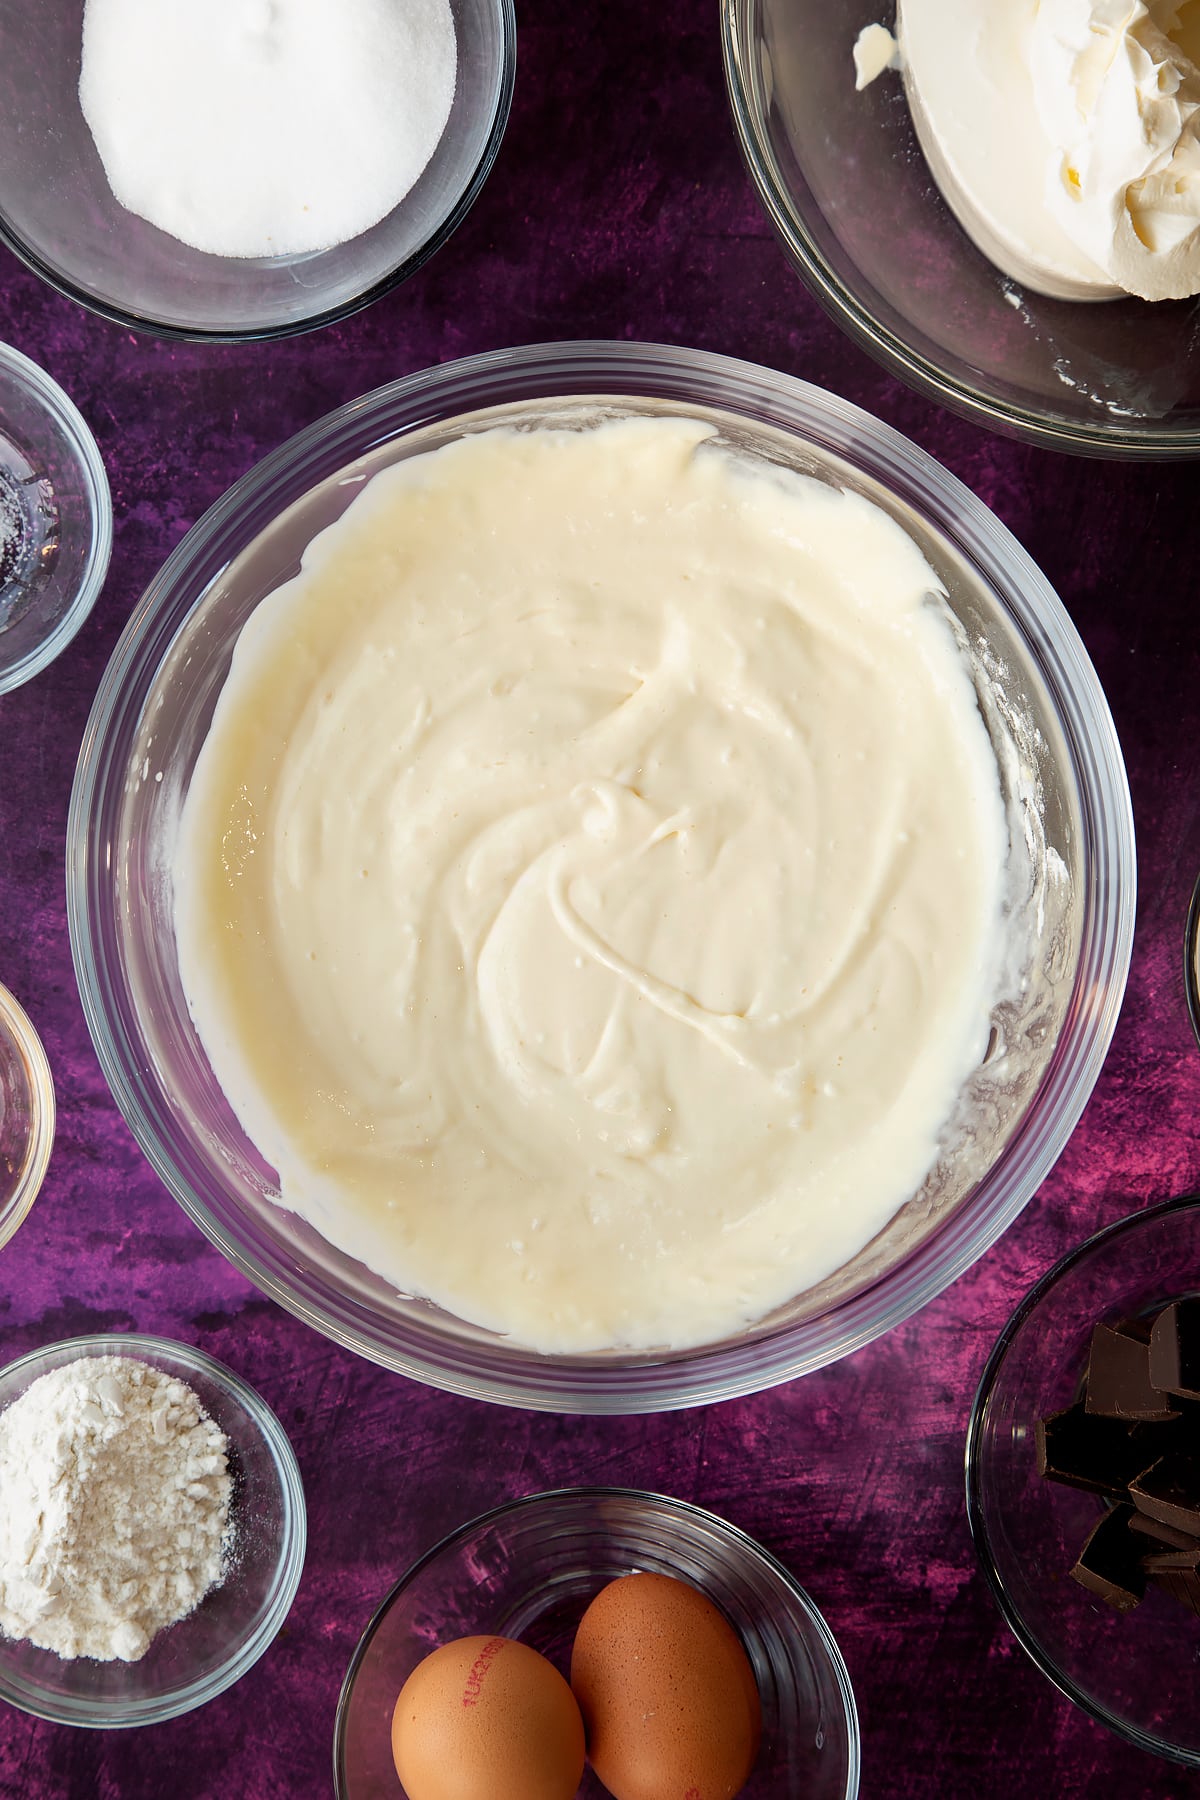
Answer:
(55, 519)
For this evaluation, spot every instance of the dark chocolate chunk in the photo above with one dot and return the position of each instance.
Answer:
(1118, 1377)
(1162, 1561)
(1158, 1534)
(1110, 1562)
(1175, 1349)
(1170, 1491)
(1088, 1450)
(1134, 1437)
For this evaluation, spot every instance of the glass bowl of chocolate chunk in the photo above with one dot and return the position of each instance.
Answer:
(1083, 1476)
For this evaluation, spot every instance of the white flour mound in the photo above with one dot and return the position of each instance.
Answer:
(258, 128)
(114, 1508)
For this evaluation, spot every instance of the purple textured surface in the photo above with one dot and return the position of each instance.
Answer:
(618, 208)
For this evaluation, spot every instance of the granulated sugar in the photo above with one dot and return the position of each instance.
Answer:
(10, 533)
(255, 128)
(115, 1514)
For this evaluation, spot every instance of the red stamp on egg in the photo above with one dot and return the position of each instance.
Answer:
(479, 1668)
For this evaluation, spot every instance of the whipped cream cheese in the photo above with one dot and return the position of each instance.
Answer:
(1065, 136)
(589, 891)
(875, 49)
(1117, 87)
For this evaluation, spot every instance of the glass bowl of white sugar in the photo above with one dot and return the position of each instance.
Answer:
(631, 1215)
(153, 1531)
(843, 179)
(244, 173)
(55, 519)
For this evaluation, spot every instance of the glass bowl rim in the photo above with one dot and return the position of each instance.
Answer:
(16, 1021)
(1191, 950)
(55, 403)
(733, 1537)
(972, 1462)
(1132, 443)
(543, 373)
(150, 326)
(117, 1714)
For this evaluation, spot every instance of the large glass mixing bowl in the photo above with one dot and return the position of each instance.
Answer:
(1062, 778)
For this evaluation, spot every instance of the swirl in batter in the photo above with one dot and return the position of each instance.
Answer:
(589, 891)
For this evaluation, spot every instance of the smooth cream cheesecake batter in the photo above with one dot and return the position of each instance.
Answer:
(589, 892)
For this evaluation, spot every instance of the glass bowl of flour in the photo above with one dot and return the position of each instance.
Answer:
(245, 173)
(654, 1003)
(844, 179)
(153, 1534)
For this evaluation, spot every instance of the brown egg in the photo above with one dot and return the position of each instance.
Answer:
(487, 1718)
(667, 1694)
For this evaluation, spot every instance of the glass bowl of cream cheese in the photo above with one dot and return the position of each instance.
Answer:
(245, 173)
(601, 877)
(1006, 213)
